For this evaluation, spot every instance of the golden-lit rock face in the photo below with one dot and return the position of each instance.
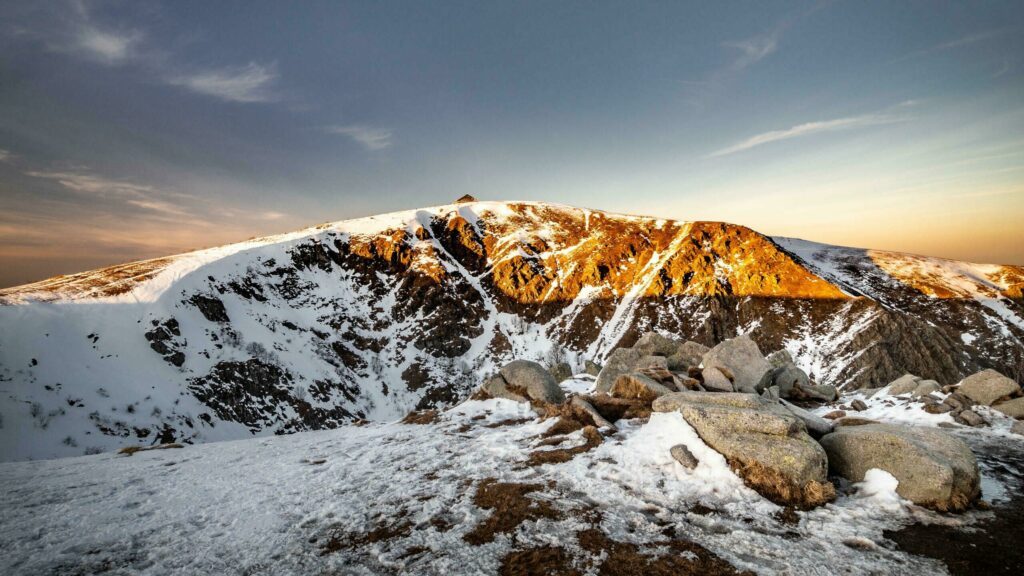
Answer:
(535, 253)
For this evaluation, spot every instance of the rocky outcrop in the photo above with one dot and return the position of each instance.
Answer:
(764, 443)
(934, 469)
(523, 380)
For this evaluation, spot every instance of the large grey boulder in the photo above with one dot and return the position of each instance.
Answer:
(620, 361)
(934, 469)
(689, 354)
(1012, 408)
(522, 379)
(987, 386)
(741, 356)
(903, 385)
(654, 344)
(763, 442)
(637, 386)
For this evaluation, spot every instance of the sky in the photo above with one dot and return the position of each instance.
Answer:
(138, 129)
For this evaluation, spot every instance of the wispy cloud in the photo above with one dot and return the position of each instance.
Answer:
(5, 155)
(370, 137)
(141, 196)
(249, 83)
(72, 28)
(106, 46)
(754, 49)
(960, 42)
(807, 129)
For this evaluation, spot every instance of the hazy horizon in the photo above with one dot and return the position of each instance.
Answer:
(134, 130)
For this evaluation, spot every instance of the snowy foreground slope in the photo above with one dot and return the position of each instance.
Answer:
(374, 317)
(406, 498)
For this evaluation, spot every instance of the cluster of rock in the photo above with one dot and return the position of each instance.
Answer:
(738, 402)
(734, 365)
(986, 388)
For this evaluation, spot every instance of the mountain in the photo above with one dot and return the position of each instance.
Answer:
(374, 317)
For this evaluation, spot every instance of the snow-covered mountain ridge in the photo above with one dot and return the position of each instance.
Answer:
(373, 317)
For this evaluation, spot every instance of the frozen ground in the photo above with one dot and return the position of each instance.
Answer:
(398, 498)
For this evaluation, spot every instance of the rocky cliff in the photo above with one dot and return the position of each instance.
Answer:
(370, 318)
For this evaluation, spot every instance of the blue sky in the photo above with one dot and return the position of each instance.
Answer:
(137, 129)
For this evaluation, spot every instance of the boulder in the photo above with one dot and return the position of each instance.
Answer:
(561, 371)
(987, 386)
(969, 418)
(620, 361)
(496, 387)
(763, 442)
(903, 385)
(938, 408)
(592, 368)
(526, 378)
(688, 354)
(683, 455)
(1012, 408)
(934, 469)
(925, 387)
(822, 392)
(958, 401)
(790, 380)
(859, 405)
(588, 408)
(716, 381)
(741, 356)
(636, 386)
(815, 424)
(780, 358)
(654, 344)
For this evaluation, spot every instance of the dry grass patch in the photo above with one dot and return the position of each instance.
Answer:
(129, 450)
(510, 507)
(421, 417)
(776, 487)
(592, 439)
